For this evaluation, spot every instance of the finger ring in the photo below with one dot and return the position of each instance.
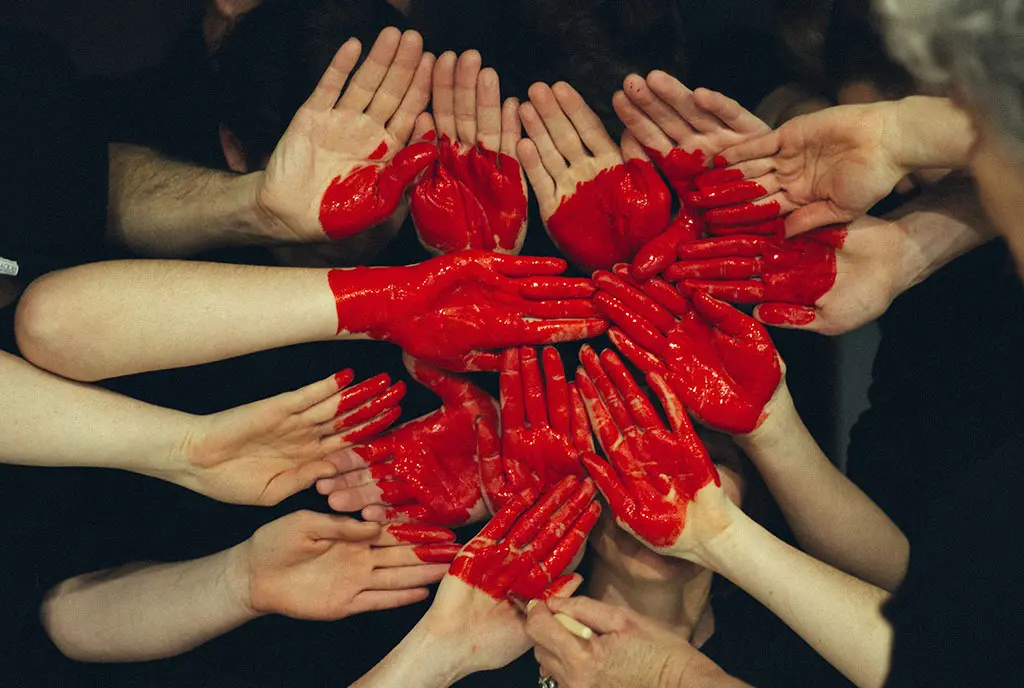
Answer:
(546, 682)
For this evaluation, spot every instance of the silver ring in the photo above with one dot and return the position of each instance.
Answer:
(546, 682)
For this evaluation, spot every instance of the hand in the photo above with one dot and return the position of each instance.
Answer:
(454, 311)
(266, 451)
(655, 474)
(324, 567)
(474, 195)
(630, 650)
(828, 281)
(346, 143)
(597, 209)
(682, 131)
(424, 471)
(722, 362)
(825, 168)
(543, 428)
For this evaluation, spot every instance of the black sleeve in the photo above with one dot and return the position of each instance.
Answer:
(54, 185)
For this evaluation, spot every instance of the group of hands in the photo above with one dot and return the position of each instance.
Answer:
(760, 220)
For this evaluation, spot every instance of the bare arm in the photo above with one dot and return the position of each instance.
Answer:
(832, 519)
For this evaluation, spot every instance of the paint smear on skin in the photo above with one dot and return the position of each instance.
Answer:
(679, 167)
(420, 534)
(379, 152)
(437, 554)
(781, 314)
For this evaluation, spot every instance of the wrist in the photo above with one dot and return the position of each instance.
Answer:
(425, 658)
(776, 425)
(367, 298)
(718, 551)
(236, 586)
(253, 217)
(931, 133)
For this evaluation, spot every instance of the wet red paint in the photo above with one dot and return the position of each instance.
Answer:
(420, 534)
(472, 199)
(524, 550)
(725, 194)
(379, 152)
(436, 554)
(784, 314)
(456, 310)
(609, 218)
(721, 362)
(368, 194)
(743, 214)
(427, 469)
(660, 468)
(660, 251)
(680, 167)
(757, 269)
(344, 377)
(429, 135)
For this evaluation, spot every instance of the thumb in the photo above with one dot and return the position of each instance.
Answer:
(284, 485)
(404, 168)
(453, 389)
(335, 527)
(814, 215)
(600, 617)
(786, 315)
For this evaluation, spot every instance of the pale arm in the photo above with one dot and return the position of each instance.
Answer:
(832, 519)
(838, 615)
(930, 133)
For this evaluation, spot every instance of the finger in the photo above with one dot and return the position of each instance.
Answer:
(376, 600)
(786, 315)
(748, 213)
(585, 122)
(372, 408)
(454, 390)
(555, 287)
(608, 434)
(423, 129)
(290, 482)
(356, 396)
(760, 147)
(404, 533)
(725, 247)
(815, 215)
(371, 73)
(334, 527)
(358, 434)
(610, 485)
(352, 499)
(443, 98)
(722, 316)
(563, 134)
(564, 586)
(488, 110)
(674, 122)
(615, 404)
(510, 383)
(631, 148)
(556, 390)
(733, 193)
(511, 127)
(581, 437)
(401, 514)
(552, 639)
(467, 71)
(530, 523)
(743, 291)
(636, 354)
(635, 299)
(397, 79)
(307, 400)
(774, 228)
(639, 328)
(475, 362)
(599, 616)
(639, 405)
(406, 576)
(639, 125)
(506, 517)
(539, 332)
(561, 539)
(540, 181)
(403, 124)
(657, 253)
(674, 408)
(537, 132)
(714, 269)
(533, 388)
(527, 266)
(329, 88)
(681, 99)
(731, 113)
(398, 556)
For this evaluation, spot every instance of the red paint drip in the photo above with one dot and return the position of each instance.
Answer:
(609, 218)
(474, 198)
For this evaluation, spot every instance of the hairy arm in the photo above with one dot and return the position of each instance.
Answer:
(145, 611)
(832, 519)
(161, 207)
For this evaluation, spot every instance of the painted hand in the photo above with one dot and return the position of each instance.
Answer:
(597, 208)
(682, 131)
(325, 567)
(544, 427)
(455, 311)
(474, 195)
(266, 451)
(722, 362)
(424, 471)
(346, 143)
(821, 169)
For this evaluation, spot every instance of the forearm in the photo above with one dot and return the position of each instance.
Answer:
(161, 207)
(50, 421)
(108, 319)
(832, 519)
(696, 671)
(940, 225)
(143, 612)
(929, 133)
(838, 615)
(420, 660)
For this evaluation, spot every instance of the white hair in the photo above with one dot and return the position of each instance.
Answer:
(973, 46)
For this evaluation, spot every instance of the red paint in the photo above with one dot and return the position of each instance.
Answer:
(436, 554)
(744, 214)
(784, 314)
(427, 469)
(379, 152)
(472, 199)
(726, 194)
(369, 193)
(524, 548)
(607, 219)
(721, 362)
(420, 535)
(657, 253)
(429, 135)
(679, 167)
(653, 471)
(719, 175)
(344, 377)
(756, 269)
(368, 408)
(539, 443)
(455, 311)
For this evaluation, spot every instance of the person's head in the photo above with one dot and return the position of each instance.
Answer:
(630, 559)
(857, 67)
(975, 48)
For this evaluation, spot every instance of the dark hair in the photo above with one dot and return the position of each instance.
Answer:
(855, 51)
(269, 63)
